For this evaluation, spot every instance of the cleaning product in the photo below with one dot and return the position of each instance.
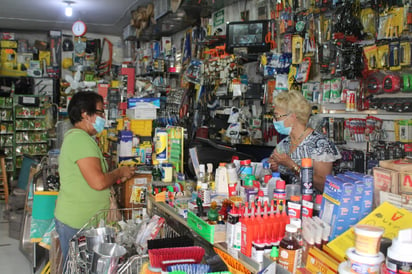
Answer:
(399, 255)
(221, 180)
(272, 184)
(306, 176)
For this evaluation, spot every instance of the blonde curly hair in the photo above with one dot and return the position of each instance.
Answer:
(294, 102)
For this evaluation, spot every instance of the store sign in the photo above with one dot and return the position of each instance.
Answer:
(219, 18)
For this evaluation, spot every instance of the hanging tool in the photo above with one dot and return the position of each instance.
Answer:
(106, 66)
(270, 36)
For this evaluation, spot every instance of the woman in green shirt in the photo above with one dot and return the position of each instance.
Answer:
(84, 177)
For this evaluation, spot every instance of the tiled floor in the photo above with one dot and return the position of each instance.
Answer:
(12, 259)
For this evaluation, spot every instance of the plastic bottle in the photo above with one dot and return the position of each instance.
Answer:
(317, 205)
(245, 170)
(280, 193)
(306, 176)
(210, 178)
(265, 171)
(233, 179)
(272, 184)
(232, 220)
(289, 250)
(399, 258)
(221, 179)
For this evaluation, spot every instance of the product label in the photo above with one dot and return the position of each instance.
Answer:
(294, 210)
(288, 259)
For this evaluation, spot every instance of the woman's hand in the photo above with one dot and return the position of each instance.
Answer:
(126, 172)
(282, 159)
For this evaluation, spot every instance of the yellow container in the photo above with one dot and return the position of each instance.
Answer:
(8, 44)
(141, 127)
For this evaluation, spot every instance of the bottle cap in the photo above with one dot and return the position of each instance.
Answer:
(260, 193)
(306, 162)
(267, 178)
(307, 197)
(235, 158)
(275, 174)
(222, 164)
(243, 162)
(318, 199)
(296, 222)
(274, 253)
(266, 165)
(280, 184)
(248, 161)
(295, 198)
(291, 228)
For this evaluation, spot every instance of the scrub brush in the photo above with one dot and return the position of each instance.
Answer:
(163, 257)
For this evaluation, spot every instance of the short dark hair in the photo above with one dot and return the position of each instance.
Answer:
(83, 101)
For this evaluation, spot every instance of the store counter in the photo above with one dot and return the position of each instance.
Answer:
(181, 226)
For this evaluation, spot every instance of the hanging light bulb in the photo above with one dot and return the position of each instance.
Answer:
(68, 11)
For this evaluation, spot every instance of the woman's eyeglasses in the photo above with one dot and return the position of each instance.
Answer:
(99, 112)
(277, 117)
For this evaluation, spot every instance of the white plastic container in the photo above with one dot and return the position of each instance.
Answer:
(344, 268)
(364, 264)
(367, 239)
(399, 255)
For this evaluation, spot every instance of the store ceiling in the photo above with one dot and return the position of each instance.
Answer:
(101, 16)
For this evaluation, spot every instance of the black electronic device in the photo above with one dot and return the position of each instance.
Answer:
(248, 36)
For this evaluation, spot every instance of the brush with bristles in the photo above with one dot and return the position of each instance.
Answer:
(163, 257)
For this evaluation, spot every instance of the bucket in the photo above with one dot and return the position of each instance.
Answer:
(97, 236)
(106, 258)
(367, 239)
(364, 264)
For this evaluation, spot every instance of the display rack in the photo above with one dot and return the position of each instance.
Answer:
(7, 131)
(31, 130)
(177, 222)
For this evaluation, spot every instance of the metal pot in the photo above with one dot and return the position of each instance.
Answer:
(106, 258)
(97, 236)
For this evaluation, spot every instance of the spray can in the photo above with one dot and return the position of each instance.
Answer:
(306, 176)
(161, 148)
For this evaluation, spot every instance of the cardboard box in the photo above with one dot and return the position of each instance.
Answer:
(405, 182)
(320, 262)
(336, 209)
(211, 233)
(142, 111)
(368, 183)
(401, 165)
(388, 216)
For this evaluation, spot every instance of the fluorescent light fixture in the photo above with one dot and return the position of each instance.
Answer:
(68, 11)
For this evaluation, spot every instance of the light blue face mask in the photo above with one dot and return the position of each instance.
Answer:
(280, 127)
(99, 124)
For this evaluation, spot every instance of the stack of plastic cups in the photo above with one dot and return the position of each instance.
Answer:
(365, 257)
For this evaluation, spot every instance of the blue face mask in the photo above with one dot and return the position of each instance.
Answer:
(280, 127)
(99, 124)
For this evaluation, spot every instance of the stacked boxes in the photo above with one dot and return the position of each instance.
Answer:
(347, 198)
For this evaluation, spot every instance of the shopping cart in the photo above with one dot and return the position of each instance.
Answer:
(80, 258)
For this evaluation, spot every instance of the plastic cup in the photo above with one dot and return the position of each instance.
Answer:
(367, 239)
(364, 264)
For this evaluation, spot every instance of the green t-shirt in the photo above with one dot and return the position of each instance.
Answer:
(77, 201)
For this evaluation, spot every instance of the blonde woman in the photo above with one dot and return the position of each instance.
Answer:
(291, 115)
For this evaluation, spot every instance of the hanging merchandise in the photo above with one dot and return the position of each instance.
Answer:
(371, 55)
(391, 83)
(303, 72)
(394, 56)
(297, 49)
(161, 145)
(368, 20)
(405, 53)
(194, 72)
(383, 57)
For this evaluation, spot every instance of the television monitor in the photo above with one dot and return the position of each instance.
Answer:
(247, 35)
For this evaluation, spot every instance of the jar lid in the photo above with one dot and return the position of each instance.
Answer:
(291, 228)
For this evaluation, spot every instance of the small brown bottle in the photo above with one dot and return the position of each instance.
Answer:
(290, 250)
